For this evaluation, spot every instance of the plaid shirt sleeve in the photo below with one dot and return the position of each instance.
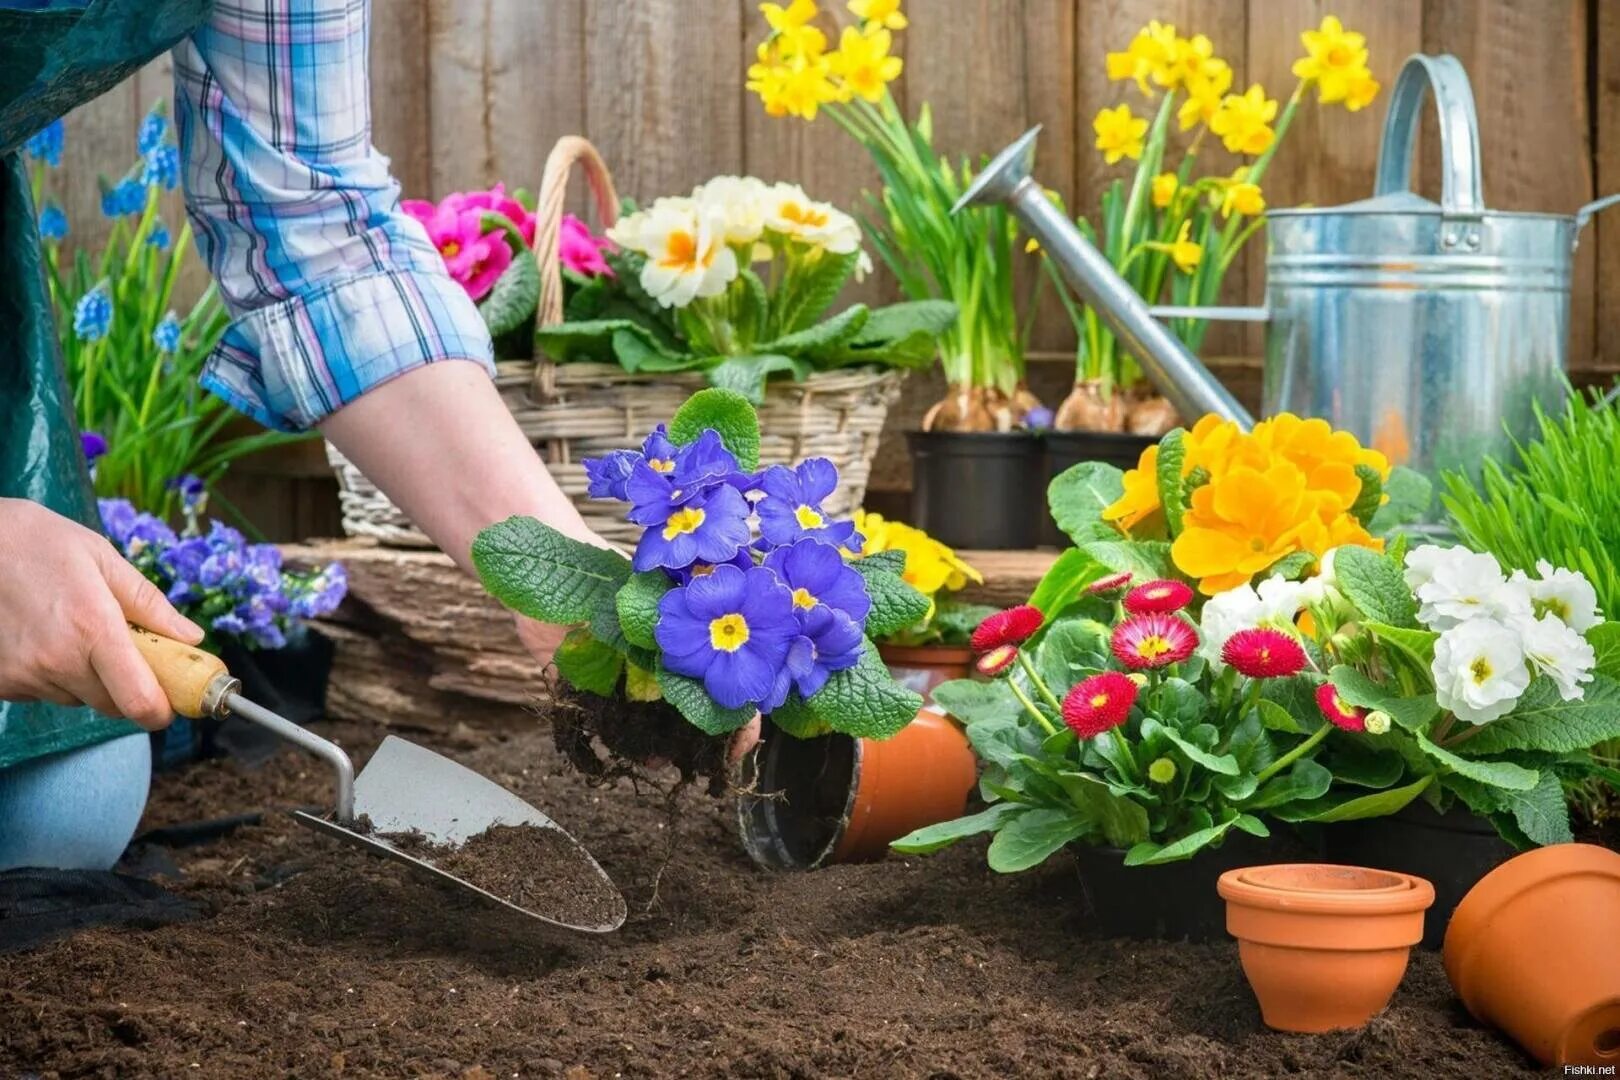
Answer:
(332, 289)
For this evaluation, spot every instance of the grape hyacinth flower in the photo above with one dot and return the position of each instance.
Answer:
(159, 237)
(53, 222)
(94, 445)
(126, 197)
(92, 315)
(154, 126)
(166, 335)
(161, 167)
(193, 494)
(732, 630)
(46, 144)
(791, 509)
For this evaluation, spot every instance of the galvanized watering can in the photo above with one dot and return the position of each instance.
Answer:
(1427, 330)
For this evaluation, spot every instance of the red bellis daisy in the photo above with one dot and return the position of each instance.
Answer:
(1011, 627)
(996, 661)
(1099, 703)
(1109, 585)
(1339, 712)
(1163, 597)
(1262, 653)
(1153, 641)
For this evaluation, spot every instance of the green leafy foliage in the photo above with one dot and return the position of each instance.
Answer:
(637, 606)
(895, 604)
(823, 336)
(729, 414)
(864, 701)
(1413, 713)
(904, 335)
(1172, 486)
(1375, 585)
(1079, 495)
(694, 703)
(589, 664)
(1371, 496)
(537, 571)
(1030, 838)
(747, 374)
(1065, 582)
(1355, 807)
(932, 838)
(1411, 497)
(1542, 720)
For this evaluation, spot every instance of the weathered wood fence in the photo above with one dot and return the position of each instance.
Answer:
(466, 92)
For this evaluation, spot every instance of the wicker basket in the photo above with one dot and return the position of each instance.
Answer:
(574, 411)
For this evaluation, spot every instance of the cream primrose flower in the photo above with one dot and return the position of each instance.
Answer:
(792, 213)
(1469, 585)
(1421, 563)
(1479, 670)
(1565, 594)
(1559, 652)
(1225, 614)
(740, 202)
(684, 243)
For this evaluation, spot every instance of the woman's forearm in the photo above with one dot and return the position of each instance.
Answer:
(441, 444)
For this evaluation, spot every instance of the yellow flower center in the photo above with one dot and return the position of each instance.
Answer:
(1341, 55)
(1340, 707)
(1553, 606)
(450, 249)
(681, 252)
(807, 216)
(1480, 669)
(685, 520)
(1152, 647)
(701, 569)
(661, 465)
(728, 633)
(1099, 700)
(808, 518)
(803, 599)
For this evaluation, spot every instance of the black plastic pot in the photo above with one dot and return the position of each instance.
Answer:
(1452, 850)
(1066, 449)
(1174, 901)
(980, 490)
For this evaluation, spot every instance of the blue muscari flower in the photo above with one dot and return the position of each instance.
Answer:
(46, 144)
(153, 128)
(94, 445)
(681, 528)
(166, 335)
(193, 493)
(159, 237)
(828, 641)
(149, 533)
(92, 315)
(818, 575)
(732, 629)
(53, 222)
(117, 519)
(128, 196)
(162, 167)
(1039, 418)
(791, 508)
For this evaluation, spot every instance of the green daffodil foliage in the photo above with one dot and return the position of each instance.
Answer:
(741, 595)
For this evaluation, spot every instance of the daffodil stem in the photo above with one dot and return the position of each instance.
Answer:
(1293, 755)
(1040, 717)
(1046, 692)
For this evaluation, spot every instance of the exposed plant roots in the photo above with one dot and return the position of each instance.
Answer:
(609, 738)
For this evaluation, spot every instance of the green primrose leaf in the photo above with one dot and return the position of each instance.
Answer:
(892, 561)
(537, 571)
(1306, 780)
(932, 838)
(895, 604)
(794, 717)
(1291, 567)
(1411, 495)
(1079, 495)
(864, 701)
(1542, 720)
(692, 701)
(747, 374)
(1371, 496)
(641, 684)
(1416, 645)
(588, 664)
(1413, 713)
(1065, 582)
(729, 414)
(514, 297)
(1028, 839)
(822, 336)
(1501, 774)
(1541, 813)
(1605, 641)
(1378, 804)
(1375, 585)
(637, 603)
(1172, 485)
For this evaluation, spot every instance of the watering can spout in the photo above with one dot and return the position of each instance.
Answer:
(1172, 368)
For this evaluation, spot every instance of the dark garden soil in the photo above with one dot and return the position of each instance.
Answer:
(313, 960)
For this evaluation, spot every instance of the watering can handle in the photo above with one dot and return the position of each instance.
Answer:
(1461, 190)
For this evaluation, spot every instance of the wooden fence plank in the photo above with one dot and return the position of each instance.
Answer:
(1607, 179)
(401, 91)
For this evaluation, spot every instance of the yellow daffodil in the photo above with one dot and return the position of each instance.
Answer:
(1164, 189)
(1119, 133)
(1363, 88)
(1183, 252)
(792, 32)
(1204, 94)
(794, 88)
(1243, 121)
(1031, 246)
(1190, 60)
(1149, 56)
(863, 63)
(884, 13)
(1334, 57)
(1238, 196)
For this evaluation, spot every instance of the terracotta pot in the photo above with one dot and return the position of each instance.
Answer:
(1534, 950)
(1323, 946)
(836, 799)
(920, 668)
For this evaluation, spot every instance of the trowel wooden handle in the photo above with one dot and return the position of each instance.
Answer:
(196, 682)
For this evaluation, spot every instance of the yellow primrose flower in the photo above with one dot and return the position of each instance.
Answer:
(884, 13)
(1148, 56)
(864, 64)
(1243, 121)
(1141, 498)
(1238, 196)
(930, 565)
(1119, 133)
(1326, 457)
(1204, 94)
(791, 29)
(1333, 57)
(1164, 189)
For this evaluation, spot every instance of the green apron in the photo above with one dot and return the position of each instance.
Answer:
(53, 57)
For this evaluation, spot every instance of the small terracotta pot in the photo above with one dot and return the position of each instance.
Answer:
(1534, 949)
(920, 668)
(836, 799)
(1323, 946)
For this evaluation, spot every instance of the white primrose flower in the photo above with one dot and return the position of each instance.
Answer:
(1479, 670)
(792, 213)
(740, 202)
(1224, 615)
(684, 243)
(1421, 563)
(1557, 651)
(1565, 594)
(1466, 585)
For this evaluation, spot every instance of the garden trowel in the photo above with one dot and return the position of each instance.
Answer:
(404, 788)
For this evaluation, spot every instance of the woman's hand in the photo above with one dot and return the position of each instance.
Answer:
(66, 599)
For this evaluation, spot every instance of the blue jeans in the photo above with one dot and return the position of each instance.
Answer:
(75, 810)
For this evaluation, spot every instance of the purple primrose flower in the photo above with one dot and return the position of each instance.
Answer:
(791, 508)
(732, 629)
(681, 529)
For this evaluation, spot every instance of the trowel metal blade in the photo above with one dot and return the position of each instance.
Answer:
(408, 788)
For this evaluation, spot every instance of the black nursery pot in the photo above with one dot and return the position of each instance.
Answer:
(1451, 850)
(981, 490)
(1174, 901)
(1066, 449)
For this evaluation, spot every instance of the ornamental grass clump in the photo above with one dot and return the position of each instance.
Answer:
(133, 361)
(967, 259)
(1176, 230)
(735, 282)
(738, 598)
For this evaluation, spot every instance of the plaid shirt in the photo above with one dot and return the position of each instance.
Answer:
(332, 288)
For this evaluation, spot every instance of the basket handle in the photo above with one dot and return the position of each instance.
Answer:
(569, 151)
